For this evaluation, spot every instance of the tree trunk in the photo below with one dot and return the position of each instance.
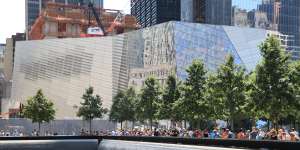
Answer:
(253, 122)
(90, 123)
(133, 122)
(275, 124)
(39, 132)
(172, 124)
(121, 125)
(232, 124)
(150, 124)
(268, 123)
(184, 122)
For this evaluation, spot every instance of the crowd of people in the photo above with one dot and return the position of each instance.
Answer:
(11, 133)
(224, 133)
(216, 133)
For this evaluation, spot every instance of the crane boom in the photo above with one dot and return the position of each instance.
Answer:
(99, 23)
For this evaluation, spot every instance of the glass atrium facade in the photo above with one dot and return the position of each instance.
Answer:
(282, 16)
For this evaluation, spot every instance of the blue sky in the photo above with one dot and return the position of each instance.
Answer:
(12, 14)
(246, 4)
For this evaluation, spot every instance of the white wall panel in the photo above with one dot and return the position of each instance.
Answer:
(63, 69)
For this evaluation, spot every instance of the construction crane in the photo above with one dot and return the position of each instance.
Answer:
(96, 31)
(117, 22)
(115, 26)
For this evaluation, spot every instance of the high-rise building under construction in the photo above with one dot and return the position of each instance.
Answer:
(34, 7)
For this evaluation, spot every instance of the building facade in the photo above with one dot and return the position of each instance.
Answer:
(207, 11)
(34, 7)
(276, 15)
(2, 81)
(64, 68)
(9, 54)
(7, 65)
(152, 12)
(2, 48)
(289, 24)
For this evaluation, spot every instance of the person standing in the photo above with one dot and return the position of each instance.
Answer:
(294, 137)
(253, 133)
(241, 135)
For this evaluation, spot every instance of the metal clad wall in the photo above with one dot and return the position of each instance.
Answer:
(63, 69)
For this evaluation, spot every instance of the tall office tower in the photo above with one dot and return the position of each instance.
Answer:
(289, 23)
(151, 12)
(218, 12)
(282, 16)
(207, 11)
(271, 9)
(32, 10)
(34, 7)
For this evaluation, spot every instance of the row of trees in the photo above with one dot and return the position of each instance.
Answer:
(40, 109)
(270, 92)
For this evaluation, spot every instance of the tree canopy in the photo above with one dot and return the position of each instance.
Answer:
(170, 95)
(91, 107)
(192, 103)
(273, 92)
(123, 107)
(39, 109)
(228, 90)
(149, 98)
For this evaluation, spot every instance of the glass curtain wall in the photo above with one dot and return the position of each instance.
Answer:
(277, 15)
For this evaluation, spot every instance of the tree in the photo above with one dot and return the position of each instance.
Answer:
(213, 102)
(294, 76)
(170, 95)
(39, 109)
(192, 103)
(91, 107)
(122, 108)
(132, 105)
(115, 112)
(228, 90)
(148, 100)
(273, 92)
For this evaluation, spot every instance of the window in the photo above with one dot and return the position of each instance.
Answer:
(61, 27)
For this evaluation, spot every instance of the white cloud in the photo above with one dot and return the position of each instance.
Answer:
(12, 15)
(118, 4)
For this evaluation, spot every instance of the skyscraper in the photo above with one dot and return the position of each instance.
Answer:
(206, 11)
(282, 16)
(34, 7)
(289, 23)
(151, 12)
